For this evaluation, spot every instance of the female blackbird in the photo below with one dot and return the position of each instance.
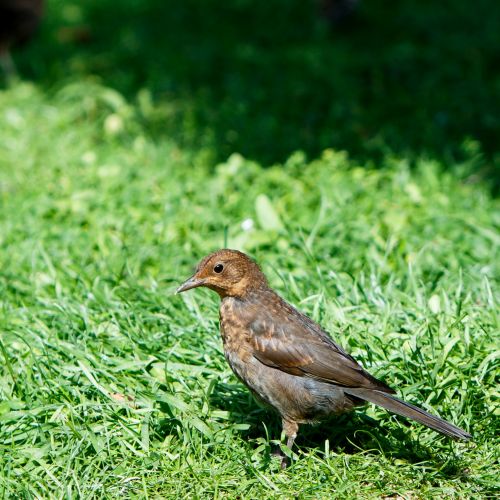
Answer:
(287, 360)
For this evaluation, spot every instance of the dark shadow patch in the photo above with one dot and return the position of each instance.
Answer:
(268, 78)
(349, 433)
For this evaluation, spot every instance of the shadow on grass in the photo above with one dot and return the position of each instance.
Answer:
(268, 78)
(350, 433)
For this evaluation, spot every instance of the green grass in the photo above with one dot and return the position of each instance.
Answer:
(359, 166)
(111, 386)
(267, 78)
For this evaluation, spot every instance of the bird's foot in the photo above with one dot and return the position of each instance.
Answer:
(278, 452)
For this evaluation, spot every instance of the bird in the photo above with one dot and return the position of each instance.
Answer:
(19, 20)
(287, 360)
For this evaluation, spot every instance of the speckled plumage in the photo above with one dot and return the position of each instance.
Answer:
(287, 360)
(248, 332)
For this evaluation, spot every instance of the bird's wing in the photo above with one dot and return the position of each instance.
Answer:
(295, 344)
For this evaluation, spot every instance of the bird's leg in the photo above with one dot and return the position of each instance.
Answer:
(290, 427)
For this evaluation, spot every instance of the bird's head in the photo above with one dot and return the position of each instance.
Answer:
(229, 272)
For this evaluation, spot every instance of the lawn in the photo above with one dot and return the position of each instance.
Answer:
(112, 187)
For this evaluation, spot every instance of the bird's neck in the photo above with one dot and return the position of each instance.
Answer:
(255, 297)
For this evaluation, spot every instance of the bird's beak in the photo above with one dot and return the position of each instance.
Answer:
(192, 282)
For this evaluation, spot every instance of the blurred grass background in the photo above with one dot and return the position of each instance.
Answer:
(357, 165)
(268, 78)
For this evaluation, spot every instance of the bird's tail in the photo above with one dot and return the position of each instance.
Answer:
(391, 403)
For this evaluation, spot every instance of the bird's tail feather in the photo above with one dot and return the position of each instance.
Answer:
(391, 403)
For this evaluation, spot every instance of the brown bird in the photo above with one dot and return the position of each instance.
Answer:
(286, 359)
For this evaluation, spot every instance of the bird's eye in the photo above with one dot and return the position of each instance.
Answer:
(218, 268)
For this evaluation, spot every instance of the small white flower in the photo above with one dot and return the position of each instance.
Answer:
(113, 124)
(247, 224)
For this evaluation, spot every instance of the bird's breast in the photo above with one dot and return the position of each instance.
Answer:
(234, 332)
